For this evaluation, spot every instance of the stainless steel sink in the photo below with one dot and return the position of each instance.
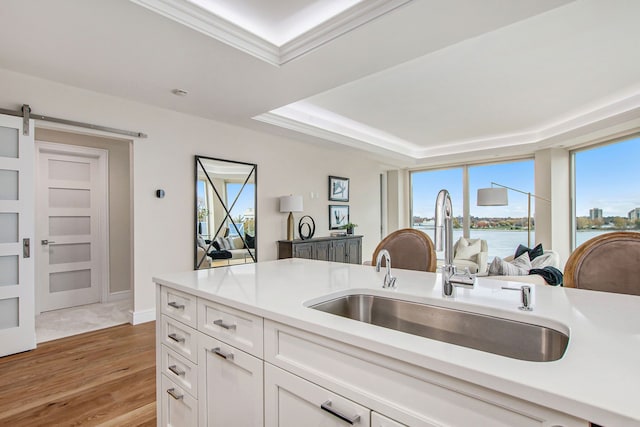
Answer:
(505, 337)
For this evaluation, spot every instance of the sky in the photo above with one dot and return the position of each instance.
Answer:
(606, 178)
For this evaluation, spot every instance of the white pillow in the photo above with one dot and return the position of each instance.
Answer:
(229, 243)
(544, 260)
(222, 242)
(518, 267)
(468, 251)
(495, 269)
(238, 243)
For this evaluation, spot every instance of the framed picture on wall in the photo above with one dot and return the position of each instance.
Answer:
(338, 216)
(338, 189)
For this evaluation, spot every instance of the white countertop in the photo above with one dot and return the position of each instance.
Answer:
(597, 379)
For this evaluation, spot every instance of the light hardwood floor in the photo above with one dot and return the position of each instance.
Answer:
(101, 378)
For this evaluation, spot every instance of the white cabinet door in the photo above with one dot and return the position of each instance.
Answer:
(378, 420)
(231, 388)
(291, 401)
(179, 409)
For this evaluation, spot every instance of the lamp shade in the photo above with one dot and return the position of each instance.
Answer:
(291, 203)
(492, 197)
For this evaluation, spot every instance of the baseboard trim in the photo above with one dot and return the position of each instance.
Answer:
(144, 316)
(120, 296)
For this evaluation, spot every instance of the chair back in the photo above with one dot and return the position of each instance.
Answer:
(409, 250)
(609, 262)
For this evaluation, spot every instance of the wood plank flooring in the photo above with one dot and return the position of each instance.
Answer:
(101, 378)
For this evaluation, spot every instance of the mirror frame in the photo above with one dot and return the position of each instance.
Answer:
(254, 172)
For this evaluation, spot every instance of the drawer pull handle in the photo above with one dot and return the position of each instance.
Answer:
(218, 352)
(176, 338)
(176, 305)
(176, 370)
(172, 393)
(351, 420)
(222, 324)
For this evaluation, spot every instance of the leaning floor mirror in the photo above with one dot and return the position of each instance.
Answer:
(225, 212)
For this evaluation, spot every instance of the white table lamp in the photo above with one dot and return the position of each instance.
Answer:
(290, 204)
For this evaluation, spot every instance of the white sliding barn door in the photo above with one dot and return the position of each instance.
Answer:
(70, 225)
(17, 313)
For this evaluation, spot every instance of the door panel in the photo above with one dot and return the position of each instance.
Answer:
(71, 217)
(17, 322)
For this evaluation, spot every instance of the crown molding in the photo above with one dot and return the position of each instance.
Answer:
(337, 26)
(328, 135)
(305, 119)
(207, 23)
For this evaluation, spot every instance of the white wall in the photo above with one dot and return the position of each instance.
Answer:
(163, 228)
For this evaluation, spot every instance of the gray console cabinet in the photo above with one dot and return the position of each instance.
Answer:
(347, 249)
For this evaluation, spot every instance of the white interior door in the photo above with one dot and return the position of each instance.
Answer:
(17, 316)
(70, 225)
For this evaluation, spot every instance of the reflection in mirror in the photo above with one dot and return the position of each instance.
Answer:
(225, 212)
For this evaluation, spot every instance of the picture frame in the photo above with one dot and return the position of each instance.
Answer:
(338, 189)
(338, 216)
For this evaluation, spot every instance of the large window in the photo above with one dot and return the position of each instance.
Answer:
(607, 193)
(503, 227)
(425, 186)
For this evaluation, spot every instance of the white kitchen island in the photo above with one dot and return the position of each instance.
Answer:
(240, 346)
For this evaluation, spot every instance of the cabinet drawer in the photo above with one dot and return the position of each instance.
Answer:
(237, 328)
(231, 382)
(178, 305)
(291, 401)
(378, 420)
(411, 395)
(180, 338)
(179, 408)
(180, 370)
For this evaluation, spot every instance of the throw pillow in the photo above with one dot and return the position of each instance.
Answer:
(518, 267)
(216, 245)
(533, 253)
(250, 240)
(549, 259)
(201, 242)
(495, 269)
(230, 243)
(222, 242)
(469, 251)
(238, 243)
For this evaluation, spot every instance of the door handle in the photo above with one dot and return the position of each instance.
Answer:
(46, 242)
(26, 248)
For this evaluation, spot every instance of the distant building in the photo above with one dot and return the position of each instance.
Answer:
(595, 213)
(634, 214)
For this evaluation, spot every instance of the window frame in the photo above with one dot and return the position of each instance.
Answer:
(466, 208)
(610, 140)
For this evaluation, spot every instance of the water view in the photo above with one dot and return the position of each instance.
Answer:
(503, 243)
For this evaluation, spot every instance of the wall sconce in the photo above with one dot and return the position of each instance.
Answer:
(290, 204)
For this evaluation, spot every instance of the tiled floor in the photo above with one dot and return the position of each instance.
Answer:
(56, 324)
